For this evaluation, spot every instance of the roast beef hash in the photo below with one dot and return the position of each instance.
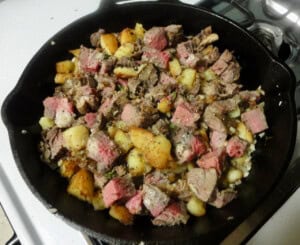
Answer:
(151, 122)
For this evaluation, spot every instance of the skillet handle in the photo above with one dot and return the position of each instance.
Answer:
(297, 98)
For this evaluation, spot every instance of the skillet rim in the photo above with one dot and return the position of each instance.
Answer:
(21, 82)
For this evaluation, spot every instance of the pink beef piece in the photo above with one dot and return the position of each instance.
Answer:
(186, 55)
(213, 159)
(59, 109)
(123, 82)
(103, 150)
(198, 147)
(158, 58)
(156, 38)
(255, 120)
(236, 147)
(88, 60)
(174, 214)
(106, 107)
(90, 119)
(134, 204)
(116, 189)
(217, 139)
(184, 116)
(154, 199)
(166, 79)
(131, 116)
(222, 63)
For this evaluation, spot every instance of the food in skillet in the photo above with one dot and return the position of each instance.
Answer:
(151, 123)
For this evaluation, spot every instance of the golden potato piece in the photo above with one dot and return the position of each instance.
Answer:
(164, 105)
(46, 123)
(136, 163)
(66, 66)
(123, 141)
(75, 52)
(60, 78)
(67, 167)
(76, 137)
(174, 67)
(196, 207)
(233, 175)
(127, 72)
(82, 185)
(244, 133)
(109, 43)
(155, 149)
(97, 201)
(122, 214)
(139, 30)
(127, 35)
(187, 77)
(124, 50)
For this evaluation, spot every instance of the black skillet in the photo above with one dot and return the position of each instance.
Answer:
(23, 107)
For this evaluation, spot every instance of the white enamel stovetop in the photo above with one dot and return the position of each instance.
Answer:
(25, 25)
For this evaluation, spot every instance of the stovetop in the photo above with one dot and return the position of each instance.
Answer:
(275, 23)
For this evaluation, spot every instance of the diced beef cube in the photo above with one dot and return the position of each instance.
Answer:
(116, 189)
(103, 150)
(184, 115)
(166, 79)
(90, 119)
(249, 96)
(174, 214)
(188, 146)
(85, 99)
(202, 182)
(161, 127)
(222, 63)
(232, 73)
(156, 38)
(174, 34)
(156, 178)
(217, 139)
(107, 65)
(186, 55)
(158, 58)
(236, 147)
(221, 198)
(148, 76)
(255, 120)
(89, 59)
(110, 107)
(134, 204)
(214, 159)
(132, 116)
(154, 199)
(59, 109)
(54, 138)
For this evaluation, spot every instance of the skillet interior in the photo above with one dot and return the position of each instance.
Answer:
(23, 107)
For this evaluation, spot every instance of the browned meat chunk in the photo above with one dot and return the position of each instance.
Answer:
(174, 214)
(174, 34)
(214, 159)
(186, 55)
(255, 120)
(221, 198)
(156, 38)
(202, 182)
(158, 58)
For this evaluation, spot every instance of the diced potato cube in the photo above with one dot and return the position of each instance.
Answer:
(66, 66)
(164, 105)
(140, 137)
(196, 207)
(111, 130)
(97, 201)
(127, 35)
(136, 163)
(187, 77)
(244, 133)
(67, 168)
(233, 175)
(75, 52)
(109, 43)
(121, 214)
(125, 50)
(127, 72)
(209, 39)
(46, 123)
(121, 125)
(123, 141)
(139, 30)
(60, 78)
(235, 113)
(76, 137)
(82, 185)
(209, 75)
(174, 67)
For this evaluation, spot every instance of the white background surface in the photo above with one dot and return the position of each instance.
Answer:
(25, 25)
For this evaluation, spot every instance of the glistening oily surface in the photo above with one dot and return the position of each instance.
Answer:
(151, 122)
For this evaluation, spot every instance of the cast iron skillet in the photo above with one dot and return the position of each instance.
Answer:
(23, 107)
